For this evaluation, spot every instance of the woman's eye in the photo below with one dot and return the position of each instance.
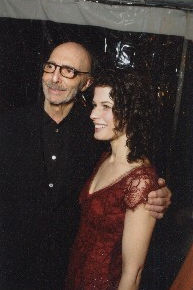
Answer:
(106, 107)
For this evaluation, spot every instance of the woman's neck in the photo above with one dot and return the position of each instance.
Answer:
(119, 150)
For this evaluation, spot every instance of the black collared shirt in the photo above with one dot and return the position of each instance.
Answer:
(70, 151)
(57, 138)
(39, 221)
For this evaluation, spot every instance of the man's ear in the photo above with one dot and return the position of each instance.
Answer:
(87, 84)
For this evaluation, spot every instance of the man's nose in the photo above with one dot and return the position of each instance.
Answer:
(56, 76)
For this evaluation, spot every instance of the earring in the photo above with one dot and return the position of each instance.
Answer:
(83, 100)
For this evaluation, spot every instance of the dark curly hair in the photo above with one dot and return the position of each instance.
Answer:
(136, 108)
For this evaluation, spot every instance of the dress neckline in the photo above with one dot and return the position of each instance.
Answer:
(115, 181)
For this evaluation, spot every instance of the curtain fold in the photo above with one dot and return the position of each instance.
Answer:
(118, 17)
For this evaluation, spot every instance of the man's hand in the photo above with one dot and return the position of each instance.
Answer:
(159, 200)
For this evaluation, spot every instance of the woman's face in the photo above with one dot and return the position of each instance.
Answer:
(102, 115)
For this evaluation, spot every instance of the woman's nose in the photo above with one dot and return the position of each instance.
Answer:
(94, 114)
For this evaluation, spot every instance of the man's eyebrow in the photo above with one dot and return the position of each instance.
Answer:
(63, 65)
(68, 66)
(50, 61)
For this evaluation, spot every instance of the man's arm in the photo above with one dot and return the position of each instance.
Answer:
(159, 200)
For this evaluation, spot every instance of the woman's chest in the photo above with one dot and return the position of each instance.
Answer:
(106, 176)
(104, 210)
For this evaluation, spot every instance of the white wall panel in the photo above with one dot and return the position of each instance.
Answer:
(124, 18)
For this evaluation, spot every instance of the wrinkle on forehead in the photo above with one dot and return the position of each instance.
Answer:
(72, 54)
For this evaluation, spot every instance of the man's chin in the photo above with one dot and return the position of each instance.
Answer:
(63, 102)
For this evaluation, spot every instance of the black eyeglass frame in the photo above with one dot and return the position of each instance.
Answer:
(75, 71)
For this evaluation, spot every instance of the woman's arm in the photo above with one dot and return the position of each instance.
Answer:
(138, 227)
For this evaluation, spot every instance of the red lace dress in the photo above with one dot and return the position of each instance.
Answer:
(96, 255)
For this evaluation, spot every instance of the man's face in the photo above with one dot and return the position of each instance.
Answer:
(58, 89)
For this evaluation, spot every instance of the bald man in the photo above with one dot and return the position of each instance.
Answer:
(47, 153)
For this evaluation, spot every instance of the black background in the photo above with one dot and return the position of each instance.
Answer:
(25, 44)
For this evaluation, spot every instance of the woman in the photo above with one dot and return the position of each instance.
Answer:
(115, 230)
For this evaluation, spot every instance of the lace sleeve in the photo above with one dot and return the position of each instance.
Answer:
(138, 185)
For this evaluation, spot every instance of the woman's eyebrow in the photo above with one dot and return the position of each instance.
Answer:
(106, 102)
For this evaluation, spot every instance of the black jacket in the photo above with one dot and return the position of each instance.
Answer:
(36, 228)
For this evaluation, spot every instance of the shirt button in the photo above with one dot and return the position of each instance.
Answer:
(57, 130)
(50, 185)
(53, 157)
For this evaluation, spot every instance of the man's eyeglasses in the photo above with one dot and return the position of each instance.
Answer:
(65, 71)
